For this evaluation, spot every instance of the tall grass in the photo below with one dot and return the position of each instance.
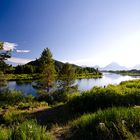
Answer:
(110, 124)
(125, 94)
(28, 130)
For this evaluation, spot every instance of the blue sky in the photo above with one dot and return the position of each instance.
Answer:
(84, 32)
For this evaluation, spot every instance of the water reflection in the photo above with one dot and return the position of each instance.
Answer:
(24, 86)
(83, 84)
(108, 78)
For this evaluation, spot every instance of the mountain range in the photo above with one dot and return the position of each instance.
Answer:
(115, 66)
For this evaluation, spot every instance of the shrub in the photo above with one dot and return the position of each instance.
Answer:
(14, 116)
(59, 96)
(11, 97)
(99, 97)
(52, 97)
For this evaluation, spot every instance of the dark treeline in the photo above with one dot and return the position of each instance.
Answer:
(127, 72)
(35, 67)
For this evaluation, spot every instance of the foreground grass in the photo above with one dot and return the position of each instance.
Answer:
(28, 130)
(111, 124)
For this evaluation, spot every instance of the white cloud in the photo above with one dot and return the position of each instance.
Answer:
(19, 60)
(23, 51)
(9, 46)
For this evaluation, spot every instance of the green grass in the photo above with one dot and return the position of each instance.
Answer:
(125, 94)
(38, 76)
(88, 75)
(109, 124)
(22, 76)
(28, 130)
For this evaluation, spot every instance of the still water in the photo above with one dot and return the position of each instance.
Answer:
(83, 84)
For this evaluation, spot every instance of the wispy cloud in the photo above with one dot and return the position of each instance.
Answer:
(9, 46)
(23, 51)
(19, 60)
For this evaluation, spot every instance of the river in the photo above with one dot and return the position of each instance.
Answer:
(83, 84)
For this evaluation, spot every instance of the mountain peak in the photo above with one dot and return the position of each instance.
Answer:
(114, 66)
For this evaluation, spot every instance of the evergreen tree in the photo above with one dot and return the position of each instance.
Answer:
(67, 76)
(2, 58)
(48, 69)
(1, 45)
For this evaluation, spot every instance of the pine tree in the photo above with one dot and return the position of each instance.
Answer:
(48, 69)
(67, 77)
(2, 76)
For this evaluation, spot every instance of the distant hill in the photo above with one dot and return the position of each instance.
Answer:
(58, 64)
(114, 66)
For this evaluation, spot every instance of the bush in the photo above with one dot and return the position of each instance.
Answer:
(44, 96)
(60, 96)
(99, 97)
(14, 116)
(52, 97)
(11, 97)
(111, 124)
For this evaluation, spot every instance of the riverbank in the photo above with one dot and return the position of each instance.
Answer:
(17, 77)
(127, 72)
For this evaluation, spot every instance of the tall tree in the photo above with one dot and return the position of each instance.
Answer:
(48, 69)
(3, 56)
(67, 76)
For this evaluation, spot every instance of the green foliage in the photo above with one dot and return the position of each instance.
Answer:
(20, 77)
(67, 77)
(1, 45)
(52, 97)
(12, 97)
(2, 80)
(111, 124)
(44, 96)
(48, 69)
(4, 54)
(4, 133)
(13, 116)
(5, 68)
(60, 96)
(132, 72)
(16, 98)
(125, 94)
(24, 69)
(28, 130)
